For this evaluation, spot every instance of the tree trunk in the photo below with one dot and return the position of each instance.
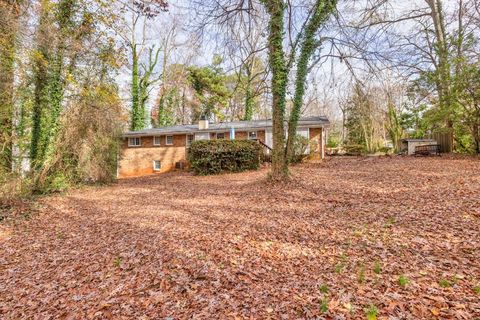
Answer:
(51, 96)
(137, 122)
(279, 86)
(40, 75)
(56, 91)
(248, 99)
(476, 138)
(322, 10)
(443, 80)
(8, 32)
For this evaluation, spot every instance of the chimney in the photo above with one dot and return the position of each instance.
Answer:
(202, 123)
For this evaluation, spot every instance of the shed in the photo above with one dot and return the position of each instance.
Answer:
(408, 145)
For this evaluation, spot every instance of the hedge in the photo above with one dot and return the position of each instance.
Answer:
(217, 156)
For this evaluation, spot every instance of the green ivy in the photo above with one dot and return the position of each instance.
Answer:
(309, 44)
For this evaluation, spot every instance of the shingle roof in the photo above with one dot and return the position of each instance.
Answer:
(219, 126)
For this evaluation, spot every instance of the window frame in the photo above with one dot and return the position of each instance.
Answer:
(217, 133)
(134, 145)
(155, 167)
(166, 140)
(159, 140)
(256, 135)
(206, 135)
(186, 139)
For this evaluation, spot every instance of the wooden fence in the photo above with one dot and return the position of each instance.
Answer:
(444, 139)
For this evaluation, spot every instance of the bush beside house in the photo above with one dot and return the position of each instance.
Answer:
(217, 156)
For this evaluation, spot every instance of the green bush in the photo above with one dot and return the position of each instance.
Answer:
(300, 147)
(333, 140)
(217, 156)
(57, 182)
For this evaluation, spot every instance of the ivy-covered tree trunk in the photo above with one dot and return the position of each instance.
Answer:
(145, 82)
(169, 101)
(321, 12)
(39, 102)
(137, 121)
(49, 79)
(41, 61)
(249, 100)
(276, 9)
(51, 118)
(8, 33)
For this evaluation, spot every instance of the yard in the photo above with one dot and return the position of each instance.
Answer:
(350, 237)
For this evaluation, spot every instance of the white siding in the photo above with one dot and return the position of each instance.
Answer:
(304, 132)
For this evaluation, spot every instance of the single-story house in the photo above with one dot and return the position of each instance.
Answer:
(162, 149)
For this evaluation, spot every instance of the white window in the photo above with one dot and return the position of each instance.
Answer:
(156, 141)
(220, 135)
(157, 165)
(169, 140)
(190, 139)
(134, 142)
(252, 135)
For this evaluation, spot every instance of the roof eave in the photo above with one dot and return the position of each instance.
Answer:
(153, 132)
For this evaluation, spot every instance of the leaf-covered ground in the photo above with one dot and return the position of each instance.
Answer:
(348, 237)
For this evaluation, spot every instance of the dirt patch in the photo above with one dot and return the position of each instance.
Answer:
(398, 235)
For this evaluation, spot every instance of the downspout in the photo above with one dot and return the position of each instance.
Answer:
(324, 138)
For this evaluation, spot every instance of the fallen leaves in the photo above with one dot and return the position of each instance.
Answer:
(331, 244)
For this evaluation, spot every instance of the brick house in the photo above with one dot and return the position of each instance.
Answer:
(162, 149)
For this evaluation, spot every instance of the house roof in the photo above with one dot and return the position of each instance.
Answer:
(224, 126)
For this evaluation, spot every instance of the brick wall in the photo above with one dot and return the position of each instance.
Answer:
(316, 139)
(138, 161)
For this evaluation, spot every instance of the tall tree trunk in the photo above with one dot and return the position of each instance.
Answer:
(47, 112)
(41, 63)
(137, 119)
(443, 79)
(249, 103)
(55, 94)
(249, 100)
(279, 87)
(9, 15)
(161, 102)
(49, 77)
(321, 12)
(476, 137)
